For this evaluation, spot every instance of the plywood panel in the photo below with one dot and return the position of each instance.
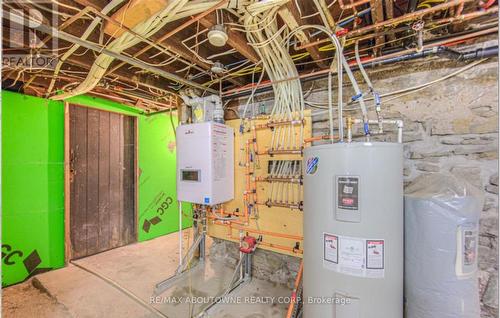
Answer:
(271, 219)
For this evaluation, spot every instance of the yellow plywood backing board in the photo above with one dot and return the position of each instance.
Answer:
(269, 220)
(133, 13)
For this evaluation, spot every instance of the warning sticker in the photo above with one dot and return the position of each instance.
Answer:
(347, 193)
(374, 254)
(354, 255)
(331, 248)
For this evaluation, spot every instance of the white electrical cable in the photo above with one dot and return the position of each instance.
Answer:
(108, 8)
(174, 10)
(339, 63)
(410, 90)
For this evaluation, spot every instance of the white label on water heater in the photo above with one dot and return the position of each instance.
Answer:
(354, 255)
(467, 246)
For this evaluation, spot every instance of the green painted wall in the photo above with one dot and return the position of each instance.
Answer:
(33, 181)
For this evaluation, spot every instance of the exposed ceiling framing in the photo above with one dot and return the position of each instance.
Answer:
(148, 75)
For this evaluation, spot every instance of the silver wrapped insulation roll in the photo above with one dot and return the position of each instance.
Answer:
(441, 244)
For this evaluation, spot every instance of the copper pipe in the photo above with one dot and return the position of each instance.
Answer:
(224, 222)
(289, 180)
(281, 247)
(318, 138)
(281, 152)
(352, 4)
(272, 124)
(408, 17)
(459, 38)
(275, 234)
(277, 246)
(281, 205)
(272, 245)
(467, 16)
(223, 212)
(460, 9)
(411, 16)
(325, 71)
(294, 291)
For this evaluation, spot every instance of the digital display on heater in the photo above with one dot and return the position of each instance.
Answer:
(190, 175)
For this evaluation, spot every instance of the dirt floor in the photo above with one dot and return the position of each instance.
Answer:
(25, 300)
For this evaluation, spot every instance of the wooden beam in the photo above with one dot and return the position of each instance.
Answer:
(389, 14)
(304, 38)
(171, 44)
(177, 48)
(377, 11)
(235, 39)
(39, 83)
(325, 14)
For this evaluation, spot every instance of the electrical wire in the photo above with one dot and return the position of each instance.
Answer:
(409, 90)
(174, 10)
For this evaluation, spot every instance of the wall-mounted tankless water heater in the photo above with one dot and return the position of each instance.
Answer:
(205, 163)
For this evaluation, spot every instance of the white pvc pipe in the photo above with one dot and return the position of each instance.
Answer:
(180, 233)
(339, 58)
(397, 122)
(330, 106)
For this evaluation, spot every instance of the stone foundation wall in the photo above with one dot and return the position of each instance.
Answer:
(274, 267)
(451, 127)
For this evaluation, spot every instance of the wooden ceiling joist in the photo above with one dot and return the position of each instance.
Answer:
(389, 14)
(312, 50)
(171, 44)
(377, 11)
(236, 39)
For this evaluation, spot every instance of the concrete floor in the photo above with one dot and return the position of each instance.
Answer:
(76, 290)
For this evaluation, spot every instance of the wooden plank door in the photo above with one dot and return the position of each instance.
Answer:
(102, 181)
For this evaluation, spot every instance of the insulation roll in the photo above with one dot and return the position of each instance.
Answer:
(441, 242)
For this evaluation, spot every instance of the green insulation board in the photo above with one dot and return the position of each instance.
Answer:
(33, 181)
(158, 207)
(32, 186)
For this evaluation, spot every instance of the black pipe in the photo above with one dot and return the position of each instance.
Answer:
(439, 50)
